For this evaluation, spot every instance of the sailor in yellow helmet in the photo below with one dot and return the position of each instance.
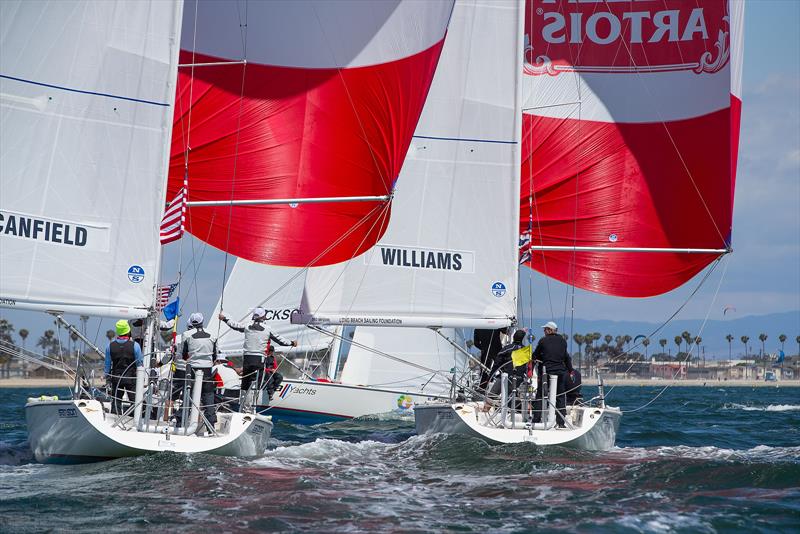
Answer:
(123, 356)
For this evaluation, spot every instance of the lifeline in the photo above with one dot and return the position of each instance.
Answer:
(42, 230)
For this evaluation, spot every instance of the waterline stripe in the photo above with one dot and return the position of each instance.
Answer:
(81, 91)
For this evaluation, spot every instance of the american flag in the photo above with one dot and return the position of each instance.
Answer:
(163, 295)
(174, 217)
(525, 247)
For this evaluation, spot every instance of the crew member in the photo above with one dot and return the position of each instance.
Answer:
(123, 356)
(551, 352)
(257, 337)
(199, 352)
(489, 342)
(226, 378)
(273, 378)
(504, 361)
(573, 386)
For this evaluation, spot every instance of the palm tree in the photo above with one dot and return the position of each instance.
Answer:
(74, 338)
(663, 343)
(645, 342)
(687, 337)
(46, 342)
(697, 341)
(763, 337)
(627, 339)
(781, 338)
(6, 329)
(678, 340)
(730, 340)
(23, 333)
(745, 339)
(579, 339)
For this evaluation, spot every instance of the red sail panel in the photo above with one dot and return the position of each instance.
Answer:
(629, 140)
(325, 106)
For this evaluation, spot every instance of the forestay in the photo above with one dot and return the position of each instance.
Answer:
(86, 91)
(630, 138)
(448, 255)
(305, 100)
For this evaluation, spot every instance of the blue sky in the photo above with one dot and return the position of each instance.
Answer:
(763, 273)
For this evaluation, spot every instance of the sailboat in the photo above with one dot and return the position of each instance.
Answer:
(342, 372)
(358, 154)
(628, 114)
(88, 162)
(396, 312)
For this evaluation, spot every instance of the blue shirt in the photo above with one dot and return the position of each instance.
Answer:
(137, 353)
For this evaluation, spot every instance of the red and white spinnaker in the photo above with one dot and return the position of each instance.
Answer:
(630, 137)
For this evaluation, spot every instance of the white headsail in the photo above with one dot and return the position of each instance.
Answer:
(276, 289)
(86, 92)
(449, 254)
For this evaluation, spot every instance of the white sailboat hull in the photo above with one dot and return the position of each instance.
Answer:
(319, 402)
(590, 428)
(76, 431)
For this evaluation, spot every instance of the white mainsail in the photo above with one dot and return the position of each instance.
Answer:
(86, 92)
(449, 255)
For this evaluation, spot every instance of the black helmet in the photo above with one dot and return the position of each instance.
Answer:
(519, 336)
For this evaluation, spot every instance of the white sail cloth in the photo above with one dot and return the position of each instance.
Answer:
(86, 93)
(424, 349)
(449, 254)
(276, 289)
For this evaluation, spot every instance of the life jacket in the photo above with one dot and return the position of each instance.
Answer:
(226, 377)
(256, 339)
(123, 358)
(200, 348)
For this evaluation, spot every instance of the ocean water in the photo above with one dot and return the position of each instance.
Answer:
(713, 459)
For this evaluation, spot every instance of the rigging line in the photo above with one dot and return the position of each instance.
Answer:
(378, 352)
(352, 104)
(671, 139)
(321, 254)
(243, 35)
(384, 218)
(702, 327)
(186, 131)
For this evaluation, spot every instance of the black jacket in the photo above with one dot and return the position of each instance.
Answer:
(488, 341)
(503, 362)
(552, 351)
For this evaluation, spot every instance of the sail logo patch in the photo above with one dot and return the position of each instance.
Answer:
(458, 261)
(498, 289)
(135, 274)
(81, 236)
(625, 37)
